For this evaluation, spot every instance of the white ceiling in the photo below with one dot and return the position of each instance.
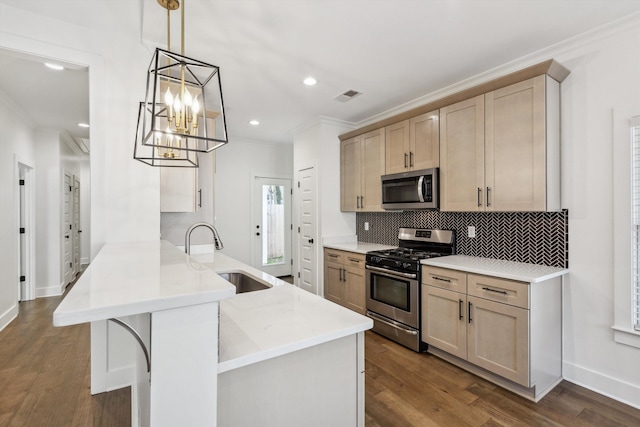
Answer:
(392, 51)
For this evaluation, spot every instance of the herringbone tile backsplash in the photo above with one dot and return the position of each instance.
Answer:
(533, 237)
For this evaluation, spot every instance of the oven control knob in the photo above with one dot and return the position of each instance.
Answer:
(375, 259)
(406, 265)
(398, 263)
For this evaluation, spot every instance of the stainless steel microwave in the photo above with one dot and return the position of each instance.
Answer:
(411, 190)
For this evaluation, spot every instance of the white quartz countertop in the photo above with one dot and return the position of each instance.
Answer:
(260, 325)
(139, 277)
(520, 271)
(357, 247)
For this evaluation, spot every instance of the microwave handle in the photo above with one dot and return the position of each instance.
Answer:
(420, 188)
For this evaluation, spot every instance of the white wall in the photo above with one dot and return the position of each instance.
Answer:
(48, 213)
(236, 164)
(17, 142)
(604, 79)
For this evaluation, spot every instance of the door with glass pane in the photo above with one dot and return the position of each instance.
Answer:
(271, 240)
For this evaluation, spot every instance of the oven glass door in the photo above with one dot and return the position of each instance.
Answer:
(391, 291)
(394, 297)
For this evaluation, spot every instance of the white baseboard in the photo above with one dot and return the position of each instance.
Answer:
(614, 388)
(8, 316)
(50, 291)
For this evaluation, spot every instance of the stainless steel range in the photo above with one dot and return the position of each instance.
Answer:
(393, 282)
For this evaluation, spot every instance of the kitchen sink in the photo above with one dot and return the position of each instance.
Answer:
(243, 282)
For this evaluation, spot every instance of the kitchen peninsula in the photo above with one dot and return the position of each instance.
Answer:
(278, 348)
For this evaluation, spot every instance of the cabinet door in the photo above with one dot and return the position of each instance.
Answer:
(397, 144)
(178, 189)
(498, 339)
(444, 320)
(333, 284)
(462, 156)
(515, 142)
(424, 141)
(355, 296)
(372, 167)
(350, 174)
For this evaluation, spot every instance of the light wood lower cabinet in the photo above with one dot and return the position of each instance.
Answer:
(344, 279)
(503, 330)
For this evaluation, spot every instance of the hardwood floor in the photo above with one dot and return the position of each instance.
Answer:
(44, 381)
(404, 388)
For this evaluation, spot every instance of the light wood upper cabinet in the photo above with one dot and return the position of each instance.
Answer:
(362, 163)
(500, 151)
(424, 138)
(462, 156)
(350, 187)
(413, 144)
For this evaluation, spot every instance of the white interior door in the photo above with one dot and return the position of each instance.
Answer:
(67, 248)
(308, 230)
(26, 237)
(271, 242)
(76, 226)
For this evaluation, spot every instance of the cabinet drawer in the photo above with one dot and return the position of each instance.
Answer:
(332, 255)
(353, 260)
(500, 290)
(445, 278)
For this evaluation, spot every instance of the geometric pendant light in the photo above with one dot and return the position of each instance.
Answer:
(183, 113)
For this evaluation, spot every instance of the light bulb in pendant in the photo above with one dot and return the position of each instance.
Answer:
(187, 98)
(168, 98)
(177, 105)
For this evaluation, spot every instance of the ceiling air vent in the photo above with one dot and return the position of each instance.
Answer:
(347, 96)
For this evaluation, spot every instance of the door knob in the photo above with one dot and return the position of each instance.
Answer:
(257, 234)
(311, 241)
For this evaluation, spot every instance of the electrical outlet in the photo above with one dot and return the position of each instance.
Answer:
(366, 226)
(471, 231)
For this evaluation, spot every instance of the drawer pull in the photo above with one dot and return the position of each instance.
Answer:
(333, 255)
(494, 290)
(354, 260)
(441, 279)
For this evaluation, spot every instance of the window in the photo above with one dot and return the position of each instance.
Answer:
(626, 226)
(635, 216)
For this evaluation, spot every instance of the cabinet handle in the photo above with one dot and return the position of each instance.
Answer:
(441, 279)
(405, 160)
(361, 202)
(488, 196)
(460, 302)
(342, 275)
(479, 196)
(200, 198)
(354, 260)
(469, 315)
(411, 159)
(494, 290)
(333, 255)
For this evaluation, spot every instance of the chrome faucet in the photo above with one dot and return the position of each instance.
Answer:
(187, 237)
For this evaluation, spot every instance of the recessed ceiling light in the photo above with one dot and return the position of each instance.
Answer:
(54, 66)
(83, 125)
(310, 81)
(254, 122)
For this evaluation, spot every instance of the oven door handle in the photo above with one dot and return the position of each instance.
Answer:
(388, 273)
(393, 325)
